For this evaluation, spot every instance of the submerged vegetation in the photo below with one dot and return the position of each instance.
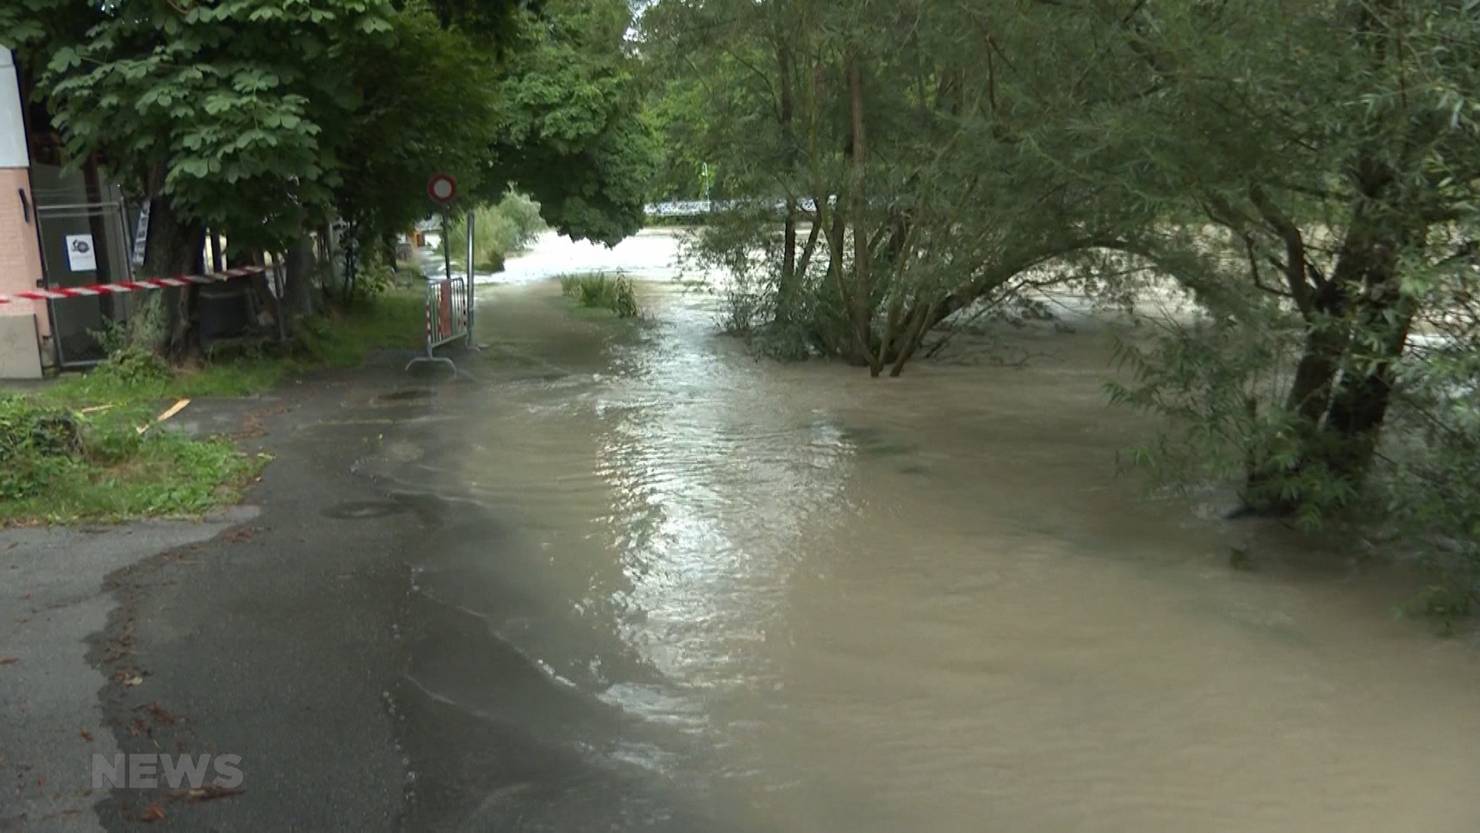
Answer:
(601, 291)
(1312, 196)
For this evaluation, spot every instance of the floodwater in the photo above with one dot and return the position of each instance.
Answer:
(792, 598)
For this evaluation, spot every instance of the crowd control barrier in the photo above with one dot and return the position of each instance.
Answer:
(449, 317)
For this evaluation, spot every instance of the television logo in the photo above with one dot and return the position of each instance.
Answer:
(150, 770)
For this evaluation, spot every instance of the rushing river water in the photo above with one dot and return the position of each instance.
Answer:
(810, 601)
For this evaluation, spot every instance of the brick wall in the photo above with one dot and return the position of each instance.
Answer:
(20, 259)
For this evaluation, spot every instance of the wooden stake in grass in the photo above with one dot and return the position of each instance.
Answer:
(169, 412)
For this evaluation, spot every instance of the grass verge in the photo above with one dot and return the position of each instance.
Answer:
(73, 451)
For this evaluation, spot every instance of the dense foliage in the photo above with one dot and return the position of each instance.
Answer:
(569, 131)
(269, 119)
(912, 177)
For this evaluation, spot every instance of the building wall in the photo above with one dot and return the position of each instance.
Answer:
(13, 152)
(20, 257)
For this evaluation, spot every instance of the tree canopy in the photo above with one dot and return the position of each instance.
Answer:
(269, 117)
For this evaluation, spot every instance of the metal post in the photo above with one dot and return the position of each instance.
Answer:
(277, 285)
(471, 287)
(446, 246)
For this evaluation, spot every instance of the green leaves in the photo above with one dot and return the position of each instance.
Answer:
(569, 128)
(371, 25)
(64, 59)
(230, 93)
(254, 80)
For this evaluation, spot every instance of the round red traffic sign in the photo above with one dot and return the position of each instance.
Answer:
(442, 188)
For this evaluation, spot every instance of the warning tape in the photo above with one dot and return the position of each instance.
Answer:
(130, 286)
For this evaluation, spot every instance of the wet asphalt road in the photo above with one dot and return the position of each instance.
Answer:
(288, 631)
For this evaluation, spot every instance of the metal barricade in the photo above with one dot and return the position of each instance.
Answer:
(448, 318)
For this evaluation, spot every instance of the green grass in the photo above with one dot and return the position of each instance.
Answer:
(164, 475)
(599, 291)
(73, 452)
(394, 319)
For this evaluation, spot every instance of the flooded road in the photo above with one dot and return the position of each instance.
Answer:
(792, 598)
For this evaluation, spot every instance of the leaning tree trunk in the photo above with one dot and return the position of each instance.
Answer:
(1342, 388)
(1358, 325)
(1382, 315)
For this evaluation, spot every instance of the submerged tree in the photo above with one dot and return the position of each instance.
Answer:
(1306, 170)
(912, 176)
(1340, 162)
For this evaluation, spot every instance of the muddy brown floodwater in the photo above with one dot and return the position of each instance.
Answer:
(820, 602)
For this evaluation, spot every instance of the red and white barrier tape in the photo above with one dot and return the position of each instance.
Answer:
(130, 286)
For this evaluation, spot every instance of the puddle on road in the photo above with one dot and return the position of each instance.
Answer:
(356, 510)
(402, 396)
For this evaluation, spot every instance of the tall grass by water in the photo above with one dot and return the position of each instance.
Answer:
(602, 291)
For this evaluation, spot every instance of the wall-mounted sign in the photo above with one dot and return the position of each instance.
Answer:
(141, 234)
(81, 255)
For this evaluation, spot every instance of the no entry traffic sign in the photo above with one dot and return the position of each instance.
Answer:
(442, 188)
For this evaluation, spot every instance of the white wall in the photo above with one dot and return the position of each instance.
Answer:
(12, 126)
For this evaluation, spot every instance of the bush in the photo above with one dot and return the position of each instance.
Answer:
(112, 336)
(377, 274)
(1428, 476)
(600, 291)
(373, 278)
(133, 366)
(35, 441)
(28, 428)
(501, 230)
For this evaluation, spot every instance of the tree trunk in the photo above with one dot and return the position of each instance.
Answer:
(1360, 401)
(786, 289)
(1356, 332)
(162, 320)
(861, 312)
(298, 294)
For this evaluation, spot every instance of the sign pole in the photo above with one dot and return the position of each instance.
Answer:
(446, 246)
(472, 301)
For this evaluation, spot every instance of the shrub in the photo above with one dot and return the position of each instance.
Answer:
(35, 442)
(133, 366)
(599, 291)
(502, 229)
